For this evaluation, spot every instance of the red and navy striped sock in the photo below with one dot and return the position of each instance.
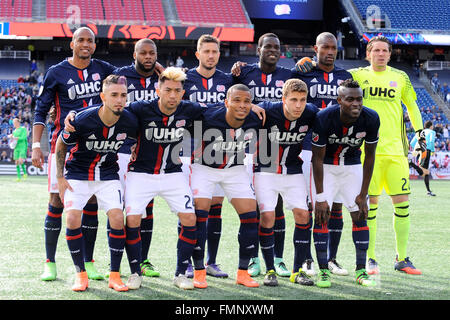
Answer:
(133, 249)
(360, 235)
(89, 224)
(185, 246)
(320, 235)
(147, 231)
(302, 243)
(74, 239)
(335, 226)
(214, 231)
(279, 229)
(247, 237)
(198, 255)
(116, 241)
(52, 229)
(267, 243)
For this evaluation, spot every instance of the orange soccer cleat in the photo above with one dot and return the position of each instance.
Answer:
(200, 279)
(244, 278)
(115, 282)
(81, 281)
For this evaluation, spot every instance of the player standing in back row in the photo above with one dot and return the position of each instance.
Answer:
(385, 88)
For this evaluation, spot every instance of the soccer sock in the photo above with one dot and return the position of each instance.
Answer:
(308, 255)
(74, 239)
(214, 231)
(247, 238)
(335, 226)
(52, 229)
(320, 235)
(266, 240)
(279, 229)
(302, 242)
(372, 224)
(133, 248)
(18, 171)
(416, 167)
(89, 224)
(360, 235)
(147, 231)
(24, 169)
(401, 228)
(185, 246)
(426, 179)
(198, 255)
(116, 241)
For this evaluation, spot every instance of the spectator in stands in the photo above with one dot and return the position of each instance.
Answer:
(20, 79)
(444, 90)
(445, 131)
(4, 156)
(33, 66)
(179, 63)
(435, 82)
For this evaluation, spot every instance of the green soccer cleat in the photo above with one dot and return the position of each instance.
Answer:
(254, 267)
(323, 279)
(362, 278)
(92, 272)
(148, 269)
(280, 268)
(49, 273)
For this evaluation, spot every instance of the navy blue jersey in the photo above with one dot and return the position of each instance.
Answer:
(139, 88)
(322, 89)
(69, 88)
(93, 156)
(284, 138)
(343, 143)
(160, 136)
(264, 87)
(207, 90)
(224, 146)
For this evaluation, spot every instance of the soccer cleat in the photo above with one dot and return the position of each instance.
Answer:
(243, 277)
(200, 279)
(372, 267)
(134, 281)
(406, 266)
(49, 273)
(336, 268)
(302, 278)
(280, 268)
(25, 176)
(183, 282)
(214, 270)
(431, 194)
(81, 281)
(308, 267)
(323, 280)
(254, 267)
(270, 279)
(148, 269)
(189, 271)
(115, 282)
(362, 278)
(92, 272)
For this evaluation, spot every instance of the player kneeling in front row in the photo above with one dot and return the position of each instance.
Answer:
(278, 170)
(338, 133)
(92, 170)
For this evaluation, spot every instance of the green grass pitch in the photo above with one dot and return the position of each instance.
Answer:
(24, 206)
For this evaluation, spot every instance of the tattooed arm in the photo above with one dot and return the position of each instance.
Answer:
(60, 153)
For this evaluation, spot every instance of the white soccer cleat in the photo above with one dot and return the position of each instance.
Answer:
(336, 268)
(134, 281)
(308, 267)
(183, 282)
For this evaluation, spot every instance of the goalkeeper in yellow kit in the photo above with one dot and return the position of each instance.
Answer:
(385, 88)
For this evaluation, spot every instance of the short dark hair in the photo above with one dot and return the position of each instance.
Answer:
(207, 38)
(239, 87)
(266, 35)
(349, 83)
(114, 79)
(428, 124)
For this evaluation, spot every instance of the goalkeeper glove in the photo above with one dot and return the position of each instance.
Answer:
(305, 65)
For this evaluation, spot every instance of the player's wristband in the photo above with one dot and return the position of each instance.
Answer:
(320, 197)
(35, 145)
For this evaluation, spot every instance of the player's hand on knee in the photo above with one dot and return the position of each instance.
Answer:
(363, 212)
(236, 68)
(52, 114)
(305, 65)
(37, 158)
(63, 185)
(67, 122)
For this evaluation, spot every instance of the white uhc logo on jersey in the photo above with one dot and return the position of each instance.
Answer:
(103, 145)
(139, 95)
(84, 90)
(322, 90)
(166, 135)
(267, 93)
(287, 137)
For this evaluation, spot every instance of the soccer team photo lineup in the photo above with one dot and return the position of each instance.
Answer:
(292, 145)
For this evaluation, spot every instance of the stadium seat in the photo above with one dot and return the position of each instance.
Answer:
(19, 10)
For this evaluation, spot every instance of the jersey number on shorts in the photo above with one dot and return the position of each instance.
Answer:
(188, 204)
